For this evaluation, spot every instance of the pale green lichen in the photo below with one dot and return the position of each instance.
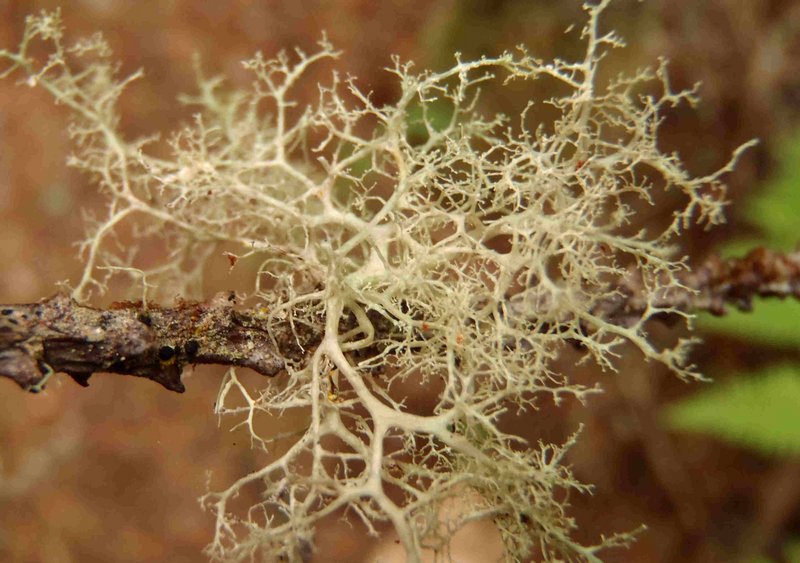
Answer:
(486, 245)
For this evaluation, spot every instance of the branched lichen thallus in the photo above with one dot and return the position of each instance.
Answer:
(453, 263)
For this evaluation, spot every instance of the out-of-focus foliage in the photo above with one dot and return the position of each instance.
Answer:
(759, 411)
(791, 553)
(772, 322)
(776, 209)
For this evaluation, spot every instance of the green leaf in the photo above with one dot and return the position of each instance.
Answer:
(772, 322)
(776, 207)
(761, 413)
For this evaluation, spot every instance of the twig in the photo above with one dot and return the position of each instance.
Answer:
(711, 287)
(59, 335)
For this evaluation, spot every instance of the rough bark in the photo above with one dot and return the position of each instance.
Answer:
(60, 335)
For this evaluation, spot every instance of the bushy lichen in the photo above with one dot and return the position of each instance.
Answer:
(485, 243)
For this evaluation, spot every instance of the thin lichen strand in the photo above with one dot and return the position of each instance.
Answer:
(348, 218)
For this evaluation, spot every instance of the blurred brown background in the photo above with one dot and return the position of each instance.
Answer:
(113, 472)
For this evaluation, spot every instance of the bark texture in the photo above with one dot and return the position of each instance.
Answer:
(60, 335)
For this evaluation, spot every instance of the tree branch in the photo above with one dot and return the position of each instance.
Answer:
(711, 287)
(59, 335)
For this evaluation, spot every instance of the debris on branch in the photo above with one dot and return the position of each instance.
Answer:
(59, 335)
